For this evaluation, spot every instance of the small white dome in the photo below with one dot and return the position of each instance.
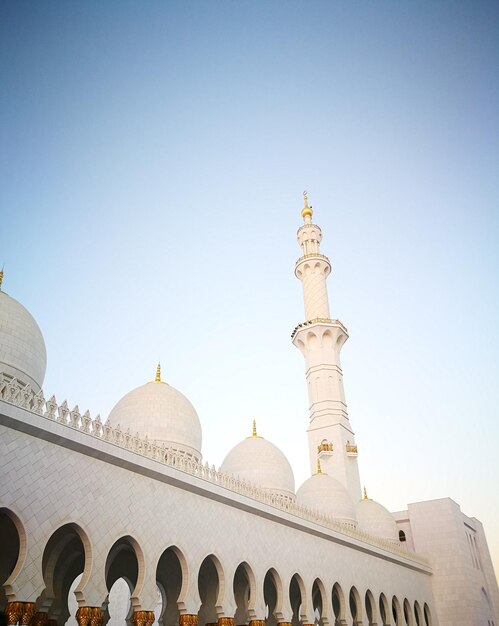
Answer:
(327, 495)
(22, 348)
(163, 414)
(376, 520)
(260, 462)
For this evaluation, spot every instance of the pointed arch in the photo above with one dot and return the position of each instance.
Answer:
(371, 612)
(272, 593)
(211, 586)
(13, 540)
(244, 587)
(338, 600)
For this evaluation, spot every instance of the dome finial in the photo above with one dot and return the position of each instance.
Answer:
(158, 373)
(365, 493)
(1, 277)
(253, 434)
(319, 468)
(307, 210)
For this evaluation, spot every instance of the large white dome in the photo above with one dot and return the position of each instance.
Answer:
(163, 414)
(376, 520)
(260, 462)
(22, 348)
(327, 495)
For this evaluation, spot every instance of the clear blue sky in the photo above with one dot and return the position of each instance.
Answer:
(153, 158)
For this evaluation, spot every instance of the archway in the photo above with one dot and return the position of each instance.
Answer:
(384, 610)
(65, 557)
(319, 602)
(418, 616)
(272, 593)
(396, 612)
(122, 564)
(209, 583)
(338, 600)
(296, 598)
(355, 606)
(407, 613)
(170, 575)
(244, 592)
(427, 615)
(13, 542)
(371, 612)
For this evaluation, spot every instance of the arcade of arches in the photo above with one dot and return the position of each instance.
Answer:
(67, 556)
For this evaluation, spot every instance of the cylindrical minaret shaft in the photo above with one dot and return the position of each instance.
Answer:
(320, 340)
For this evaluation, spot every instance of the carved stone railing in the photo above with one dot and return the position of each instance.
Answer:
(14, 392)
(318, 320)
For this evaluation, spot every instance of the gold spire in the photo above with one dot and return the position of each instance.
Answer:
(319, 468)
(1, 277)
(158, 374)
(365, 493)
(307, 210)
(253, 434)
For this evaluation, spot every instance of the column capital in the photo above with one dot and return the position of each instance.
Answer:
(89, 616)
(225, 621)
(143, 618)
(257, 622)
(13, 611)
(188, 619)
(22, 612)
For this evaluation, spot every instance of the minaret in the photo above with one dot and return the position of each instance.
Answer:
(320, 340)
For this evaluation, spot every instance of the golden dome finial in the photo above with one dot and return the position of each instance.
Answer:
(365, 493)
(253, 434)
(158, 373)
(1, 277)
(307, 210)
(319, 468)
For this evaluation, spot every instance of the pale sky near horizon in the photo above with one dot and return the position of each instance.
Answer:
(152, 164)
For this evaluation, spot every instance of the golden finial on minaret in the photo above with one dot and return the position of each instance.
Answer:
(253, 434)
(319, 468)
(158, 374)
(365, 493)
(1, 277)
(307, 210)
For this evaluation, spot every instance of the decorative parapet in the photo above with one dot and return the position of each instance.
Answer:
(351, 449)
(318, 320)
(325, 446)
(17, 394)
(312, 255)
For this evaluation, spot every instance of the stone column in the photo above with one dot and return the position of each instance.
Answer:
(188, 619)
(143, 618)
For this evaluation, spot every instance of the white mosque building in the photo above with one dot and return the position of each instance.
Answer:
(130, 497)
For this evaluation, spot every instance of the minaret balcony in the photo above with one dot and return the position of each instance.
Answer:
(351, 449)
(319, 320)
(313, 255)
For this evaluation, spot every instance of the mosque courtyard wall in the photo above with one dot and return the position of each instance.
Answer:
(55, 476)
